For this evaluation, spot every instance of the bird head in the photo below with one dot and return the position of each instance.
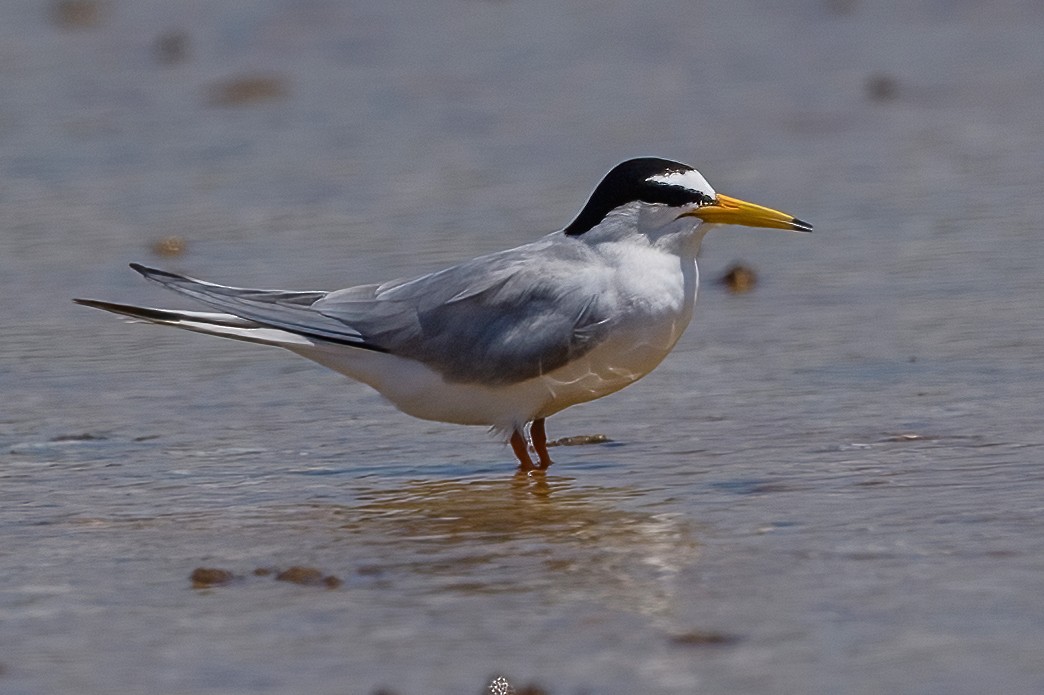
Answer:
(662, 197)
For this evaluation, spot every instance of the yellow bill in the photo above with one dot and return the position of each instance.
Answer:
(726, 210)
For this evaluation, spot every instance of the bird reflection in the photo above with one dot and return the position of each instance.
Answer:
(525, 534)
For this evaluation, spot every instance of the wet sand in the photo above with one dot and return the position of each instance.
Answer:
(833, 485)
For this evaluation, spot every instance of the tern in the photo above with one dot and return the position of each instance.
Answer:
(507, 339)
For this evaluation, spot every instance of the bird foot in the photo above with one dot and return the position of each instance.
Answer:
(539, 444)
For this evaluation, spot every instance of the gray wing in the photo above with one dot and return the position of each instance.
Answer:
(497, 319)
(290, 311)
(500, 318)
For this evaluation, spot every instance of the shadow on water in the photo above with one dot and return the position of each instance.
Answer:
(520, 534)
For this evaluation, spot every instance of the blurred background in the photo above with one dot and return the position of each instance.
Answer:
(833, 485)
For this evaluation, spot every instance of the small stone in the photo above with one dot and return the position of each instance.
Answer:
(308, 576)
(171, 47)
(76, 13)
(881, 88)
(580, 440)
(168, 246)
(530, 689)
(246, 89)
(739, 278)
(700, 638)
(84, 437)
(203, 577)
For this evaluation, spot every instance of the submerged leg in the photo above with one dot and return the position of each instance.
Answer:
(539, 436)
(521, 449)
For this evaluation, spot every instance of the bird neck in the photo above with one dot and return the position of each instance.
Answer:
(695, 238)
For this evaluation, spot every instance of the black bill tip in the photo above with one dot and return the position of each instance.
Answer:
(800, 225)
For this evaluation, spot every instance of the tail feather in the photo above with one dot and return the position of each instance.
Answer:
(224, 325)
(278, 309)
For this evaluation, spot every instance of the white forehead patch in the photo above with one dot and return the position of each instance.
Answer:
(691, 179)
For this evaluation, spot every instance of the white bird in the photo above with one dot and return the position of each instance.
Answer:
(507, 339)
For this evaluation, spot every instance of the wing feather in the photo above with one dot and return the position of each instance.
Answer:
(497, 319)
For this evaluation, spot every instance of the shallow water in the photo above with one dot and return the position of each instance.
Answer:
(833, 485)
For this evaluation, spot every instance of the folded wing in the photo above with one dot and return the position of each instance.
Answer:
(496, 319)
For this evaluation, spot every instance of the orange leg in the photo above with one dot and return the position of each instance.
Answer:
(521, 449)
(539, 436)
